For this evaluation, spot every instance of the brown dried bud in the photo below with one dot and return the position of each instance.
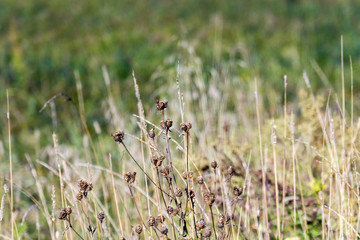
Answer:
(138, 229)
(161, 218)
(185, 127)
(168, 123)
(161, 105)
(190, 175)
(231, 171)
(101, 216)
(152, 133)
(118, 136)
(214, 164)
(164, 230)
(170, 210)
(152, 222)
(62, 214)
(237, 191)
(79, 196)
(200, 224)
(200, 180)
(157, 161)
(89, 187)
(68, 210)
(209, 198)
(130, 177)
(207, 232)
(82, 184)
(221, 218)
(165, 171)
(191, 193)
(178, 193)
(220, 224)
(184, 175)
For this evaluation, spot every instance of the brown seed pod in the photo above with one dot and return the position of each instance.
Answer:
(214, 164)
(170, 210)
(190, 174)
(237, 191)
(200, 180)
(164, 230)
(231, 171)
(191, 193)
(152, 133)
(62, 214)
(161, 105)
(185, 127)
(130, 177)
(157, 161)
(89, 187)
(209, 198)
(138, 229)
(184, 175)
(101, 216)
(200, 224)
(161, 218)
(79, 196)
(178, 193)
(165, 171)
(68, 210)
(82, 184)
(118, 136)
(207, 232)
(152, 222)
(168, 123)
(220, 224)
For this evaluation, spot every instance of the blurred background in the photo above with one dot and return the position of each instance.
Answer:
(45, 44)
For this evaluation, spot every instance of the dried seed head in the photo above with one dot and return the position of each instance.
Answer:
(222, 218)
(200, 180)
(185, 127)
(68, 210)
(170, 210)
(161, 218)
(79, 196)
(152, 222)
(89, 187)
(191, 192)
(207, 232)
(220, 224)
(209, 198)
(178, 193)
(101, 216)
(164, 230)
(82, 184)
(165, 171)
(237, 191)
(168, 123)
(214, 164)
(200, 224)
(130, 177)
(138, 229)
(152, 133)
(184, 175)
(231, 171)
(157, 161)
(161, 105)
(190, 175)
(118, 136)
(62, 214)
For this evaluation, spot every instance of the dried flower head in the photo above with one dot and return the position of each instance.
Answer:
(185, 127)
(152, 133)
(82, 184)
(161, 218)
(165, 171)
(138, 229)
(79, 196)
(200, 224)
(170, 210)
(68, 210)
(62, 214)
(190, 193)
(231, 171)
(118, 136)
(130, 177)
(161, 105)
(164, 230)
(207, 232)
(178, 193)
(200, 180)
(89, 187)
(214, 164)
(209, 198)
(152, 222)
(157, 161)
(237, 191)
(101, 216)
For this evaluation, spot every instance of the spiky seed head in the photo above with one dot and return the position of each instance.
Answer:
(138, 229)
(79, 196)
(161, 105)
(237, 191)
(101, 216)
(68, 210)
(118, 136)
(62, 214)
(214, 164)
(161, 218)
(152, 222)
